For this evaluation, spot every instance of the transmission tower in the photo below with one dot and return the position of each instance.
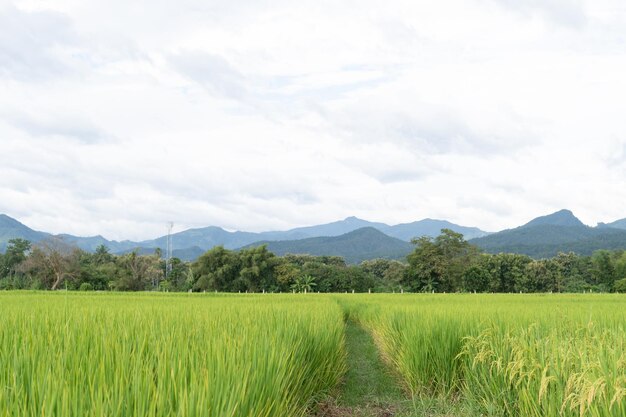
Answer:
(168, 250)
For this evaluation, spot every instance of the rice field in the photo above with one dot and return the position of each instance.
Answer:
(506, 355)
(121, 354)
(166, 355)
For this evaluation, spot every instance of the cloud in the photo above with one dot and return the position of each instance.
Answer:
(32, 44)
(267, 115)
(568, 13)
(211, 71)
(61, 125)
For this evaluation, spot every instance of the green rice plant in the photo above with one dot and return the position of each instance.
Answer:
(506, 355)
(166, 355)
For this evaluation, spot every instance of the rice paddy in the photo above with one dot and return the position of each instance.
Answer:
(112, 354)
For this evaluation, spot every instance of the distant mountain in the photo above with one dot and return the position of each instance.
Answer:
(546, 236)
(617, 224)
(430, 227)
(91, 243)
(12, 229)
(198, 240)
(208, 237)
(559, 218)
(337, 228)
(355, 246)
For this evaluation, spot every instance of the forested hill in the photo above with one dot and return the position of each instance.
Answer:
(546, 236)
(356, 246)
(12, 229)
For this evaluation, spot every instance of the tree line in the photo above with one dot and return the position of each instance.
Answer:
(446, 263)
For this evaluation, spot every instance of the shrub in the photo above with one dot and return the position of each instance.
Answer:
(85, 286)
(620, 286)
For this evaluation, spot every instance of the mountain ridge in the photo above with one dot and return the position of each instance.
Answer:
(355, 246)
(542, 236)
(546, 236)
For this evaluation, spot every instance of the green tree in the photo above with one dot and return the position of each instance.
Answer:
(476, 279)
(603, 270)
(620, 285)
(286, 273)
(16, 253)
(304, 283)
(505, 269)
(388, 274)
(439, 264)
(216, 270)
(257, 268)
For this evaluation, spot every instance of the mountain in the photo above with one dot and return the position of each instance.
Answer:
(430, 227)
(12, 229)
(206, 237)
(617, 224)
(91, 243)
(192, 241)
(559, 218)
(337, 228)
(355, 246)
(546, 236)
(211, 236)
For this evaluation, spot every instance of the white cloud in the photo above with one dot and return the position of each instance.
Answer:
(116, 117)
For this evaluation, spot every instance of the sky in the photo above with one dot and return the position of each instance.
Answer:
(119, 116)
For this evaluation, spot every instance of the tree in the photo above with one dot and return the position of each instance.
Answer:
(388, 274)
(102, 255)
(217, 269)
(476, 279)
(439, 264)
(537, 277)
(304, 283)
(603, 270)
(286, 273)
(257, 268)
(52, 261)
(620, 285)
(504, 269)
(16, 253)
(137, 273)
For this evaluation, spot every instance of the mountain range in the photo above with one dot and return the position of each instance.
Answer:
(546, 236)
(357, 239)
(355, 246)
(192, 242)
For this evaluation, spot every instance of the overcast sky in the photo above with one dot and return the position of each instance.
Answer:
(119, 115)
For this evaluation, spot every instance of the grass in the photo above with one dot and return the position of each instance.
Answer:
(368, 380)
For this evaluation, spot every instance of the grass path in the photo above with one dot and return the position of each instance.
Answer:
(369, 388)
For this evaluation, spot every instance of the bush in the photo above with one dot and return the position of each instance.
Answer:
(620, 286)
(85, 286)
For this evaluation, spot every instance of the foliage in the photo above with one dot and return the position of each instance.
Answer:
(304, 284)
(439, 264)
(620, 285)
(446, 263)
